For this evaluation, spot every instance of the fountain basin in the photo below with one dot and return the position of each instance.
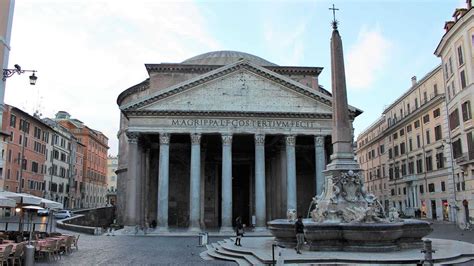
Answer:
(369, 237)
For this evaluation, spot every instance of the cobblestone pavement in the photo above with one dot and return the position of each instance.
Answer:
(137, 250)
(153, 250)
(446, 230)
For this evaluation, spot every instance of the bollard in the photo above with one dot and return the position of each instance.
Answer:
(203, 239)
(29, 255)
(428, 250)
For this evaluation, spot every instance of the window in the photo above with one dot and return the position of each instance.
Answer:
(457, 148)
(454, 119)
(429, 163)
(408, 107)
(402, 132)
(395, 151)
(409, 128)
(404, 191)
(463, 80)
(37, 133)
(418, 142)
(436, 113)
(410, 144)
(470, 145)
(417, 123)
(438, 134)
(466, 110)
(24, 126)
(450, 65)
(390, 153)
(425, 97)
(422, 189)
(431, 187)
(402, 148)
(24, 163)
(435, 89)
(411, 167)
(428, 140)
(395, 136)
(34, 167)
(12, 120)
(460, 57)
(404, 169)
(443, 186)
(446, 71)
(382, 150)
(426, 118)
(416, 103)
(419, 166)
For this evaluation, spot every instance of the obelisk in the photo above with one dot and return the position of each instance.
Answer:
(343, 154)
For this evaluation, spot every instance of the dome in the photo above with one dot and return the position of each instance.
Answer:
(225, 58)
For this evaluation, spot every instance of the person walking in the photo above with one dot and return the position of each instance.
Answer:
(239, 231)
(299, 229)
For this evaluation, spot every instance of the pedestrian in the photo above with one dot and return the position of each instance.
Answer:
(239, 231)
(299, 230)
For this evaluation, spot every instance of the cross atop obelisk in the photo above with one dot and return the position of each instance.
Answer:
(334, 21)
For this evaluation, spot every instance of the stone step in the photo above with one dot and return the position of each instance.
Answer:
(205, 256)
(249, 258)
(229, 246)
(218, 256)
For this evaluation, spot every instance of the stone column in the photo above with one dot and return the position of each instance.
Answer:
(320, 164)
(260, 194)
(163, 182)
(226, 222)
(195, 183)
(290, 172)
(132, 176)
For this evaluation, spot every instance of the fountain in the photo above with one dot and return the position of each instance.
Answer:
(345, 216)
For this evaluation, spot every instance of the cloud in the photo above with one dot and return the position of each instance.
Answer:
(367, 58)
(88, 52)
(286, 42)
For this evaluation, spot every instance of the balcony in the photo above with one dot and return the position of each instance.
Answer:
(462, 159)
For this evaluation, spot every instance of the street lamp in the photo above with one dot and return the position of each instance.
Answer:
(10, 72)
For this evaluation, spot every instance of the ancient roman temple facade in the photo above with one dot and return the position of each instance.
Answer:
(221, 135)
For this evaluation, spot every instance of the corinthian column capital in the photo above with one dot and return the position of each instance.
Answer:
(290, 140)
(164, 138)
(259, 139)
(195, 138)
(132, 136)
(226, 139)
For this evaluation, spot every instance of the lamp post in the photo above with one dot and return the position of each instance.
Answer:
(10, 72)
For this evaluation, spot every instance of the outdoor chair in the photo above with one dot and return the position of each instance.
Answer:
(49, 249)
(57, 250)
(74, 243)
(17, 255)
(5, 255)
(66, 246)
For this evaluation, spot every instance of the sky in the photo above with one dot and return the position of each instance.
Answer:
(87, 52)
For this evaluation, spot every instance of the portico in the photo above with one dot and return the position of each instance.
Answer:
(239, 140)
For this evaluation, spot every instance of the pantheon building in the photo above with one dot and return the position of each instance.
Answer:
(221, 135)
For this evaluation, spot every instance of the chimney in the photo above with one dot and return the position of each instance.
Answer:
(413, 81)
(448, 25)
(468, 4)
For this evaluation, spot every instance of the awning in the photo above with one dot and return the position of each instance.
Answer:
(46, 203)
(21, 198)
(7, 203)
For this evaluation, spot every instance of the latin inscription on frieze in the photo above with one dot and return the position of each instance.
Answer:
(243, 123)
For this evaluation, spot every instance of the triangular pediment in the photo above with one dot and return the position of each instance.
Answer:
(238, 87)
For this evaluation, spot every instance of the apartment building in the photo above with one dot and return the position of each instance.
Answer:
(26, 151)
(456, 50)
(94, 185)
(406, 156)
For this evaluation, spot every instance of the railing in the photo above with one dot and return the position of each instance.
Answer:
(14, 226)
